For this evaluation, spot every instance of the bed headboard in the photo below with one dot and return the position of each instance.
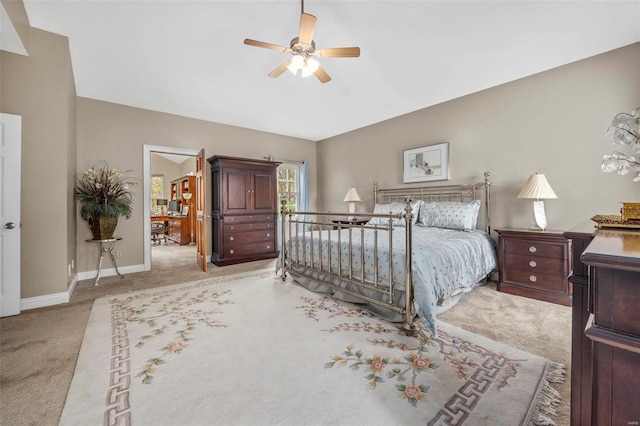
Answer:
(464, 192)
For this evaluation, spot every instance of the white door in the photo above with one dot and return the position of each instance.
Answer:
(10, 143)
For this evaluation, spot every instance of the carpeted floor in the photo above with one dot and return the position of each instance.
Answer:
(39, 348)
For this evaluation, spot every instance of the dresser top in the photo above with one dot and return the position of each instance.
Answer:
(614, 248)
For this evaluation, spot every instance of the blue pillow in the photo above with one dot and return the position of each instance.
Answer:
(394, 208)
(461, 216)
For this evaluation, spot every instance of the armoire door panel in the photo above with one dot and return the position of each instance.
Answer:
(264, 186)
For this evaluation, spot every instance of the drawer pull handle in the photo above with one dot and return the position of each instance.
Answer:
(269, 225)
(533, 249)
(231, 219)
(230, 251)
(533, 278)
(268, 234)
(268, 247)
(230, 238)
(231, 227)
(533, 264)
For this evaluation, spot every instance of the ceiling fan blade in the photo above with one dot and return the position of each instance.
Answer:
(307, 25)
(276, 73)
(322, 75)
(265, 45)
(340, 52)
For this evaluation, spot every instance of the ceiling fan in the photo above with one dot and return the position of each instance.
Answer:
(303, 49)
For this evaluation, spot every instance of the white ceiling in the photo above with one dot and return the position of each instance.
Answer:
(188, 57)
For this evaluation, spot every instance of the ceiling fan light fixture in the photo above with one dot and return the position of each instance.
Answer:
(297, 63)
(303, 48)
(310, 67)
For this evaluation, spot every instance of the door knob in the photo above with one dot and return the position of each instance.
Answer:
(9, 225)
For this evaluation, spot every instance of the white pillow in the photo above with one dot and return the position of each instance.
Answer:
(461, 216)
(394, 208)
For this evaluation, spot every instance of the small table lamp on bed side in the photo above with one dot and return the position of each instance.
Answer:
(352, 198)
(537, 188)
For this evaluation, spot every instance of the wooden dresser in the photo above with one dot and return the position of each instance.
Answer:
(605, 351)
(614, 326)
(580, 238)
(244, 209)
(534, 264)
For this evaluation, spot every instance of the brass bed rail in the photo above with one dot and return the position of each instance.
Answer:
(299, 229)
(294, 259)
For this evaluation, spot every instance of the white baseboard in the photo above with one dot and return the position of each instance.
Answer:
(65, 297)
(91, 275)
(46, 300)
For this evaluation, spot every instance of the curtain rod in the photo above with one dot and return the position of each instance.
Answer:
(283, 160)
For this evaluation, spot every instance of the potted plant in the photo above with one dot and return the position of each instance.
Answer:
(104, 196)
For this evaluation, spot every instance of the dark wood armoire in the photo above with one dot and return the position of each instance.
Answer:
(244, 209)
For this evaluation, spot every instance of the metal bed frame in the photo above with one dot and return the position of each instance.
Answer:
(297, 262)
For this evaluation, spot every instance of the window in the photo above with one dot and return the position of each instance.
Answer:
(157, 194)
(157, 186)
(289, 186)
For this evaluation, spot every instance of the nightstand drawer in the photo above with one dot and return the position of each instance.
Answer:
(533, 263)
(535, 248)
(547, 282)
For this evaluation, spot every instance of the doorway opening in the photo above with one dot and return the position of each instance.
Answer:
(169, 207)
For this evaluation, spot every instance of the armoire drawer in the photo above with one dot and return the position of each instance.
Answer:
(248, 218)
(248, 237)
(232, 250)
(244, 227)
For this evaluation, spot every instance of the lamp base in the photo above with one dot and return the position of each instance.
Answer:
(539, 216)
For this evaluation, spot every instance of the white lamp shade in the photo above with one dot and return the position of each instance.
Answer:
(187, 195)
(537, 188)
(352, 196)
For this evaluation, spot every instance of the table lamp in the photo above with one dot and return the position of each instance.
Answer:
(163, 203)
(537, 188)
(352, 198)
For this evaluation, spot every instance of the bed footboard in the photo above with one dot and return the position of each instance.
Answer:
(333, 255)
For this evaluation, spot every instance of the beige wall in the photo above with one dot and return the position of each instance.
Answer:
(552, 122)
(168, 169)
(188, 166)
(117, 133)
(41, 89)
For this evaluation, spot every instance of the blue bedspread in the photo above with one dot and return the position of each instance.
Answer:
(444, 262)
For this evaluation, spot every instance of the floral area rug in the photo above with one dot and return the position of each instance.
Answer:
(250, 349)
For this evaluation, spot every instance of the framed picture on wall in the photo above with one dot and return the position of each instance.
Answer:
(185, 210)
(429, 163)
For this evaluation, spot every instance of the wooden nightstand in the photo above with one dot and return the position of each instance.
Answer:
(535, 264)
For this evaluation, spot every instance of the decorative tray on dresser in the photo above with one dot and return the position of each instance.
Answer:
(535, 264)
